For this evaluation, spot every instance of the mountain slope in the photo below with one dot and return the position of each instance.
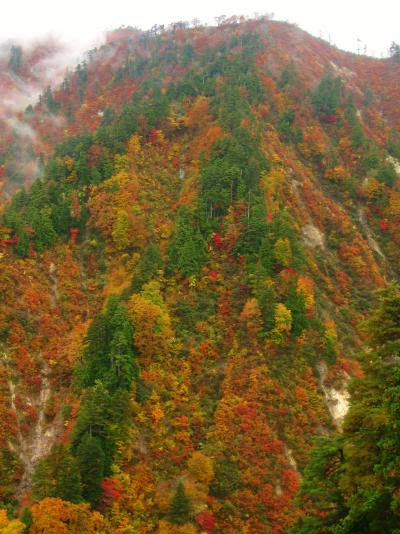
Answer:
(182, 290)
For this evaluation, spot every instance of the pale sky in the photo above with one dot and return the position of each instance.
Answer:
(349, 24)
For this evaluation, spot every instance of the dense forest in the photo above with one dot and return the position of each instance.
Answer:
(199, 316)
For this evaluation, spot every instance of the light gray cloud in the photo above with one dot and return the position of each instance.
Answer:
(43, 63)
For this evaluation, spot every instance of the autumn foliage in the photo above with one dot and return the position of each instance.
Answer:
(216, 209)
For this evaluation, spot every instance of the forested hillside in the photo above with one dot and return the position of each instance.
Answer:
(26, 71)
(189, 290)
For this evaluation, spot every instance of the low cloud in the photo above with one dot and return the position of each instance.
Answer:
(40, 64)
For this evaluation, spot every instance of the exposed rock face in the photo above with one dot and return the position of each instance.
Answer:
(313, 237)
(342, 71)
(337, 399)
(370, 238)
(396, 164)
(291, 460)
(54, 285)
(31, 448)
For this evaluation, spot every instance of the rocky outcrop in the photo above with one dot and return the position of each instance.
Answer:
(312, 237)
(337, 398)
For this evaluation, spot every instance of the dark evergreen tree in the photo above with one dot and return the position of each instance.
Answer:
(22, 247)
(95, 364)
(123, 367)
(48, 99)
(82, 72)
(220, 180)
(150, 262)
(326, 98)
(296, 303)
(187, 252)
(91, 458)
(395, 51)
(387, 174)
(57, 475)
(95, 419)
(354, 479)
(68, 482)
(227, 478)
(356, 132)
(109, 355)
(232, 173)
(255, 229)
(180, 509)
(45, 235)
(320, 487)
(263, 290)
(27, 519)
(288, 76)
(284, 125)
(15, 60)
(188, 53)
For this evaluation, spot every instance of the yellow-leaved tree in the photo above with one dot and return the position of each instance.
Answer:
(283, 323)
(283, 252)
(153, 333)
(201, 468)
(10, 526)
(58, 516)
(123, 233)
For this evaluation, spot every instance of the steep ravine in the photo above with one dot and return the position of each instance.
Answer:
(35, 444)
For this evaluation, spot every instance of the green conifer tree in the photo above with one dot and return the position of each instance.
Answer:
(295, 301)
(326, 98)
(187, 252)
(150, 262)
(27, 519)
(180, 507)
(15, 60)
(57, 475)
(95, 419)
(22, 247)
(90, 457)
(353, 479)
